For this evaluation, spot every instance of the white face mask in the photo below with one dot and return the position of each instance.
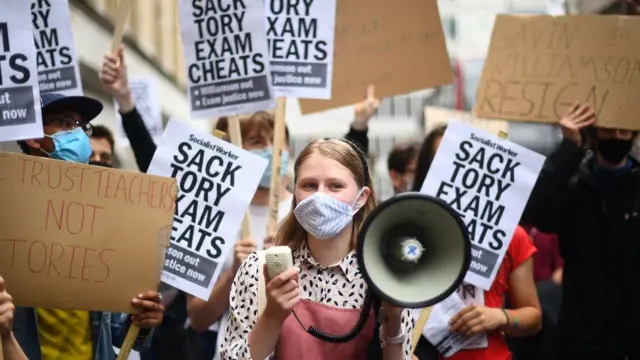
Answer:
(324, 216)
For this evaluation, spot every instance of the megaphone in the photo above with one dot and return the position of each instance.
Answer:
(413, 250)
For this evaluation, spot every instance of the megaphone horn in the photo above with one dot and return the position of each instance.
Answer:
(413, 250)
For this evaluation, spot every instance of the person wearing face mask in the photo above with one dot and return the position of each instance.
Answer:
(209, 317)
(331, 200)
(589, 195)
(70, 334)
(402, 166)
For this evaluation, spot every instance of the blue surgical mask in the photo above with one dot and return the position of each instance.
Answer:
(72, 145)
(267, 154)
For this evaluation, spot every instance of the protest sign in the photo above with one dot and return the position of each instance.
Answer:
(145, 98)
(58, 70)
(399, 47)
(487, 181)
(68, 239)
(226, 57)
(435, 116)
(216, 182)
(539, 65)
(20, 113)
(437, 327)
(300, 35)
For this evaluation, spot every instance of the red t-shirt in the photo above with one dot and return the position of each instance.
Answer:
(520, 249)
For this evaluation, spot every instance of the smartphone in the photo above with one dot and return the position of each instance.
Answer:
(278, 260)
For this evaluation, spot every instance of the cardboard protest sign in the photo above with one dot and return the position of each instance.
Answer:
(487, 180)
(58, 69)
(398, 48)
(539, 65)
(145, 97)
(20, 114)
(300, 35)
(216, 183)
(435, 116)
(80, 237)
(226, 57)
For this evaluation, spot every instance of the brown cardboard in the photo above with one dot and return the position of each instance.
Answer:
(538, 65)
(397, 46)
(435, 116)
(81, 237)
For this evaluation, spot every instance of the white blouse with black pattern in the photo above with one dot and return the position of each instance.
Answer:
(340, 285)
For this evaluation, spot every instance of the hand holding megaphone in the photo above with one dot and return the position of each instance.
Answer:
(282, 293)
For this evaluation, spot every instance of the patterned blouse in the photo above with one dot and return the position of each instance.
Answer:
(340, 285)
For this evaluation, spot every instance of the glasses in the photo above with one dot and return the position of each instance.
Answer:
(67, 123)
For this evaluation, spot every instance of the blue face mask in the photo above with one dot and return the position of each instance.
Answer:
(267, 154)
(73, 145)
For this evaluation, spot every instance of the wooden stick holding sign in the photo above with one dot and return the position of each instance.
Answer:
(1, 351)
(120, 23)
(236, 139)
(424, 314)
(134, 330)
(279, 142)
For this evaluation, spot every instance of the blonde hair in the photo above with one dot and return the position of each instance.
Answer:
(291, 233)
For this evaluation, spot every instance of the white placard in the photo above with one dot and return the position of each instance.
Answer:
(226, 57)
(436, 329)
(216, 182)
(145, 98)
(58, 70)
(487, 180)
(20, 112)
(300, 35)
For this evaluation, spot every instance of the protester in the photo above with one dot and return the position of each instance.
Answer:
(332, 199)
(102, 147)
(591, 199)
(210, 316)
(402, 166)
(69, 334)
(514, 280)
(10, 347)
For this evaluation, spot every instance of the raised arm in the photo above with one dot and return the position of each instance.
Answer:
(114, 78)
(549, 202)
(363, 112)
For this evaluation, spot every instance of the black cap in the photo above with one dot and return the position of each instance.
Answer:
(87, 107)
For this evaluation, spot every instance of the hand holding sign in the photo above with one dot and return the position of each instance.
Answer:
(477, 319)
(150, 310)
(578, 117)
(113, 76)
(368, 107)
(6, 310)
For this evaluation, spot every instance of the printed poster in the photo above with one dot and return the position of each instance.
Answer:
(226, 57)
(216, 182)
(487, 180)
(300, 35)
(145, 98)
(20, 112)
(58, 70)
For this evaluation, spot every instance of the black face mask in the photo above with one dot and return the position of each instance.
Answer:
(100, 163)
(613, 151)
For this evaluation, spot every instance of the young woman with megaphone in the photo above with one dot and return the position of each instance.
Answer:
(514, 279)
(325, 288)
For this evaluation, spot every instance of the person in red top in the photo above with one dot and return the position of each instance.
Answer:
(514, 279)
